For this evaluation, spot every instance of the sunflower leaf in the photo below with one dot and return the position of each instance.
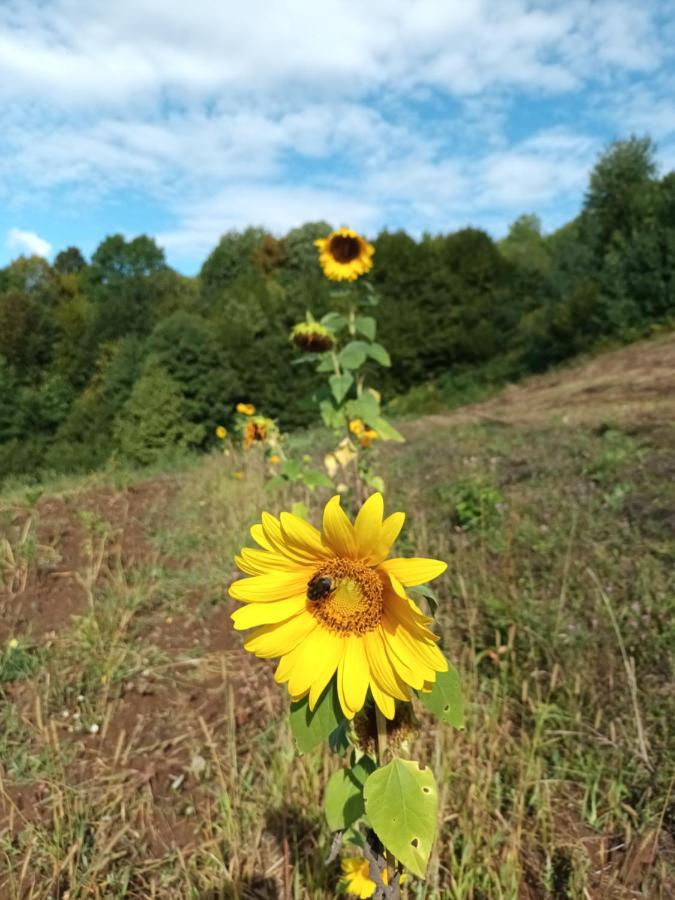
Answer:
(340, 384)
(326, 364)
(386, 431)
(344, 800)
(401, 802)
(334, 321)
(353, 355)
(314, 478)
(426, 592)
(332, 418)
(309, 727)
(366, 407)
(367, 326)
(379, 354)
(445, 699)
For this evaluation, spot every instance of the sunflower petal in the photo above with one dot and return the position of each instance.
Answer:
(355, 672)
(258, 535)
(252, 615)
(270, 587)
(384, 701)
(391, 528)
(303, 537)
(338, 531)
(276, 640)
(381, 668)
(333, 653)
(323, 646)
(368, 524)
(414, 571)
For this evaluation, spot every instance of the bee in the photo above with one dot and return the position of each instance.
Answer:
(320, 587)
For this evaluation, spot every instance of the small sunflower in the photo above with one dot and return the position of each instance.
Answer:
(256, 430)
(356, 426)
(221, 432)
(312, 337)
(367, 436)
(330, 603)
(246, 409)
(356, 878)
(344, 255)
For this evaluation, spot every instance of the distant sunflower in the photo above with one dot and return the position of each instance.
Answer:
(344, 255)
(330, 603)
(247, 409)
(255, 431)
(221, 432)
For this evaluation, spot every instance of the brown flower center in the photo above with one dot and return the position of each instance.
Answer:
(346, 596)
(344, 249)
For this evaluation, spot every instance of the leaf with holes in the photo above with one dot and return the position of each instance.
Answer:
(445, 698)
(309, 727)
(344, 800)
(401, 802)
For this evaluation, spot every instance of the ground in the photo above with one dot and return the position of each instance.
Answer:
(144, 754)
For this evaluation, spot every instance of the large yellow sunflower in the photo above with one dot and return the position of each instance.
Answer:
(330, 603)
(344, 255)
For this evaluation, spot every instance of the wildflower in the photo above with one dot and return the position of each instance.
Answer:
(312, 337)
(221, 432)
(367, 437)
(13, 644)
(275, 459)
(330, 602)
(256, 430)
(356, 878)
(247, 409)
(344, 255)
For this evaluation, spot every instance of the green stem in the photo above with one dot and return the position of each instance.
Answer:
(336, 362)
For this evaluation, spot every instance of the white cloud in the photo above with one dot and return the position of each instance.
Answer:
(27, 242)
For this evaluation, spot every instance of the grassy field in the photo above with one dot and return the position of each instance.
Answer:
(143, 754)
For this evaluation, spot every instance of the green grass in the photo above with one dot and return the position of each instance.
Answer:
(558, 608)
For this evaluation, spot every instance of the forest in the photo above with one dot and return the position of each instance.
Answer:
(121, 357)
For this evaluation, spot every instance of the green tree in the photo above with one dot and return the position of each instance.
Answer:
(152, 423)
(69, 261)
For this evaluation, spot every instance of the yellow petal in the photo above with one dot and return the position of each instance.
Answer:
(258, 535)
(261, 562)
(355, 673)
(276, 640)
(419, 651)
(303, 537)
(338, 531)
(320, 654)
(329, 662)
(270, 587)
(391, 528)
(383, 700)
(254, 614)
(414, 571)
(381, 668)
(368, 524)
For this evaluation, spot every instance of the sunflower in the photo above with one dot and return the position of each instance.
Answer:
(247, 409)
(356, 878)
(344, 255)
(255, 431)
(312, 337)
(221, 432)
(330, 603)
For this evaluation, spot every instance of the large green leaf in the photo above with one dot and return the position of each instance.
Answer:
(353, 355)
(379, 354)
(332, 418)
(340, 384)
(344, 800)
(365, 407)
(311, 728)
(401, 802)
(326, 364)
(367, 326)
(445, 698)
(386, 431)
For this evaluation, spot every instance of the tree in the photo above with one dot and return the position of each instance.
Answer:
(524, 245)
(69, 261)
(620, 195)
(152, 423)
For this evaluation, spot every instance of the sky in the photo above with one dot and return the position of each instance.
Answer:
(186, 120)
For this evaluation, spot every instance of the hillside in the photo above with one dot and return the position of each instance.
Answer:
(144, 754)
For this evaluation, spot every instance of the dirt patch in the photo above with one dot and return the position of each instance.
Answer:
(68, 544)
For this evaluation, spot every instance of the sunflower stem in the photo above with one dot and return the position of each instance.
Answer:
(381, 725)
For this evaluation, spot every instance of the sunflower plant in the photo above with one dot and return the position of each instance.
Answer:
(356, 652)
(344, 348)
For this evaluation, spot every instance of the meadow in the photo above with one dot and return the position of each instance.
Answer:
(143, 754)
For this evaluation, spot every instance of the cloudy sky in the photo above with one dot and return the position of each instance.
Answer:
(184, 120)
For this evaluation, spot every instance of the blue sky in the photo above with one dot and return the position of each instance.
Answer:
(185, 120)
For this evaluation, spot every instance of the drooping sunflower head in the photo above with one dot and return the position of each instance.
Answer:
(312, 337)
(330, 605)
(344, 255)
(246, 409)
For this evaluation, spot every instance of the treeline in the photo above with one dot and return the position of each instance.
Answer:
(122, 356)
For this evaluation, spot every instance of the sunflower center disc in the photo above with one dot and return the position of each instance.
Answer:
(354, 605)
(344, 249)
